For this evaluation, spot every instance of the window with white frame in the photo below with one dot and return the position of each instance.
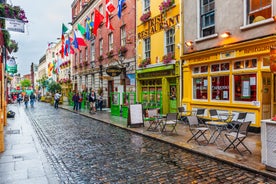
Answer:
(101, 9)
(86, 54)
(123, 35)
(110, 41)
(101, 46)
(258, 10)
(76, 58)
(80, 57)
(170, 41)
(146, 5)
(207, 17)
(147, 47)
(93, 51)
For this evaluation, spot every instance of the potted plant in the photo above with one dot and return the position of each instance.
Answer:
(145, 16)
(123, 50)
(110, 54)
(144, 63)
(168, 58)
(165, 5)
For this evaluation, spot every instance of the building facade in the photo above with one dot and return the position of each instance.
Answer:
(107, 48)
(158, 54)
(230, 72)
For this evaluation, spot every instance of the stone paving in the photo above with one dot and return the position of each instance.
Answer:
(83, 150)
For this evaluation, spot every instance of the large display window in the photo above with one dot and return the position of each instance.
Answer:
(220, 87)
(245, 87)
(200, 88)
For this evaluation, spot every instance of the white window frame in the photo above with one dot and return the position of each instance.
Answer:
(110, 41)
(123, 35)
(200, 28)
(146, 6)
(101, 46)
(169, 44)
(146, 51)
(93, 52)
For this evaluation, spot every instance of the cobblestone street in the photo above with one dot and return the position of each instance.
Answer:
(83, 150)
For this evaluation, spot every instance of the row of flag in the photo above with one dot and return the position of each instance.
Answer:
(91, 27)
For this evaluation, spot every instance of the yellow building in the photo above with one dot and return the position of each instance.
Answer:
(158, 54)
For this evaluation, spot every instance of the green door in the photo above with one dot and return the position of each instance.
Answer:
(173, 101)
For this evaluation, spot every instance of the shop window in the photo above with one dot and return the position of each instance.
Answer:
(245, 87)
(220, 67)
(196, 70)
(258, 10)
(220, 88)
(266, 61)
(200, 86)
(246, 64)
(201, 69)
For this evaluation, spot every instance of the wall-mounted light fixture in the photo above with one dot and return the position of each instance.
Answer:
(225, 34)
(189, 43)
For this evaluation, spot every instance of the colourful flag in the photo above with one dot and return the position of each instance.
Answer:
(64, 29)
(120, 7)
(98, 18)
(89, 26)
(78, 39)
(109, 8)
(81, 29)
(67, 46)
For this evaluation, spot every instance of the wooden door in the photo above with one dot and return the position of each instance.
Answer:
(266, 96)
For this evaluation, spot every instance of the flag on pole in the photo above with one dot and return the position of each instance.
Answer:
(88, 27)
(78, 39)
(120, 7)
(109, 8)
(63, 31)
(98, 18)
(81, 29)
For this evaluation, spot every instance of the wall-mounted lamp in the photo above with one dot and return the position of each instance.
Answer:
(274, 18)
(179, 46)
(225, 34)
(189, 43)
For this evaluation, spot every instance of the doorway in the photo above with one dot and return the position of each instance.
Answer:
(266, 96)
(173, 99)
(110, 90)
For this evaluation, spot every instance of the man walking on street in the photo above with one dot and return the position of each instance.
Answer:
(56, 98)
(32, 99)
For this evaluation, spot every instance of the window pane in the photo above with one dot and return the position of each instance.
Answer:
(207, 17)
(220, 88)
(259, 10)
(200, 86)
(245, 87)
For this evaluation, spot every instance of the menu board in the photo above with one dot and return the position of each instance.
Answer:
(135, 117)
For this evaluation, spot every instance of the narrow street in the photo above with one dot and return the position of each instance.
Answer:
(83, 150)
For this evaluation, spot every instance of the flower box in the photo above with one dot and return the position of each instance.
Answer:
(165, 5)
(168, 58)
(145, 16)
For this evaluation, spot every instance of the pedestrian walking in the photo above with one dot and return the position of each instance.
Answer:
(26, 100)
(80, 101)
(75, 99)
(19, 98)
(32, 99)
(92, 101)
(100, 101)
(56, 99)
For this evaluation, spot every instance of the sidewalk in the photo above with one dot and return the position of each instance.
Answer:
(23, 160)
(248, 161)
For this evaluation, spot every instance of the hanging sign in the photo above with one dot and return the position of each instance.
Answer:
(113, 71)
(15, 25)
(11, 66)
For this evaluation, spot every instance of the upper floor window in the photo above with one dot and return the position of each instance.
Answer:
(101, 47)
(80, 57)
(86, 54)
(92, 51)
(147, 48)
(101, 9)
(110, 41)
(146, 5)
(258, 10)
(170, 41)
(76, 58)
(207, 17)
(123, 36)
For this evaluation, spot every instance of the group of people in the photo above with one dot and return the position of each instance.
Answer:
(26, 99)
(94, 102)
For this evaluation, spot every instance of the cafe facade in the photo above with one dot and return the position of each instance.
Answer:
(158, 55)
(233, 78)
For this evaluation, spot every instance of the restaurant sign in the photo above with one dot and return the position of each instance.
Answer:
(113, 71)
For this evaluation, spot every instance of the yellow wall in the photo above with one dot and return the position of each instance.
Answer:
(157, 34)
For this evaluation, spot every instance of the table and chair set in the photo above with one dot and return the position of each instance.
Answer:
(215, 129)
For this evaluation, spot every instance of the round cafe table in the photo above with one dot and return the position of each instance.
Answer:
(216, 128)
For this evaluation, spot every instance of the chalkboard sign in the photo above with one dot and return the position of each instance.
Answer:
(135, 116)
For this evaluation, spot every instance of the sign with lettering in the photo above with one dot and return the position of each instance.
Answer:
(113, 71)
(15, 25)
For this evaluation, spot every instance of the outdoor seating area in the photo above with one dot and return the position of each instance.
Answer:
(220, 129)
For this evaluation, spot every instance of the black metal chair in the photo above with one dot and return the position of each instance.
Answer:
(200, 115)
(170, 121)
(237, 138)
(197, 130)
(213, 113)
(234, 125)
(183, 114)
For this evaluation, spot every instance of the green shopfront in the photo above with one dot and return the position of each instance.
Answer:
(158, 87)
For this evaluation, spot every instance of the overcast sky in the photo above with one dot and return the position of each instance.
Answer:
(45, 25)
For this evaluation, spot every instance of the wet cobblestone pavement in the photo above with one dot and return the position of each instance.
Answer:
(83, 150)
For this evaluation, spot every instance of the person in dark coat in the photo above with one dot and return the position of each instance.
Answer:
(76, 99)
(92, 101)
